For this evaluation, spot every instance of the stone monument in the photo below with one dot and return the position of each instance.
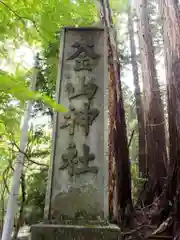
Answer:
(77, 195)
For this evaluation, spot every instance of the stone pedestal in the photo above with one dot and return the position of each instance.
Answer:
(72, 232)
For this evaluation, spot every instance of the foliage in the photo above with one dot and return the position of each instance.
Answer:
(16, 86)
(36, 190)
(118, 6)
(37, 22)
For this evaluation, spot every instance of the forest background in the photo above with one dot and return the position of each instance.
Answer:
(31, 27)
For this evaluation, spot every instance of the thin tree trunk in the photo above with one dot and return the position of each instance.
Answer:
(153, 107)
(137, 94)
(12, 201)
(21, 211)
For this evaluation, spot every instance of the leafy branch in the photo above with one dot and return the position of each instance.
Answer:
(28, 157)
(21, 18)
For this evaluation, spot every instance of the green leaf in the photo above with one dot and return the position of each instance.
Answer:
(48, 101)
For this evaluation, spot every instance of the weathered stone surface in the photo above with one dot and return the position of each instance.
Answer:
(78, 179)
(70, 232)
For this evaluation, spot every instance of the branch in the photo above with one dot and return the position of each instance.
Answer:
(4, 180)
(137, 229)
(131, 138)
(11, 10)
(40, 153)
(28, 157)
(37, 163)
(5, 188)
(21, 18)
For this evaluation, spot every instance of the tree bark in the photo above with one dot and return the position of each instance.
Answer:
(171, 32)
(137, 94)
(118, 144)
(153, 107)
(20, 219)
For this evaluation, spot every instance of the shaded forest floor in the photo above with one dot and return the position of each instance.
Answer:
(158, 220)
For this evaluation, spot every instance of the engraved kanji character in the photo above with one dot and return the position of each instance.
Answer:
(70, 159)
(88, 89)
(86, 49)
(69, 121)
(83, 118)
(85, 55)
(85, 159)
(86, 116)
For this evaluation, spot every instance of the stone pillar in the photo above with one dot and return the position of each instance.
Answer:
(77, 195)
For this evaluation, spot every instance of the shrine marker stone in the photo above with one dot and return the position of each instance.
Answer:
(77, 195)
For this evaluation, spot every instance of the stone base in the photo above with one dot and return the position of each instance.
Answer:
(73, 232)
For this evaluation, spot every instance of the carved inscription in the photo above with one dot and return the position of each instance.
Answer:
(85, 159)
(88, 89)
(85, 59)
(83, 117)
(87, 116)
(84, 55)
(70, 120)
(71, 159)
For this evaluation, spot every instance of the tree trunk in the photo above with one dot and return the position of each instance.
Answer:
(171, 32)
(137, 94)
(20, 219)
(118, 144)
(153, 107)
